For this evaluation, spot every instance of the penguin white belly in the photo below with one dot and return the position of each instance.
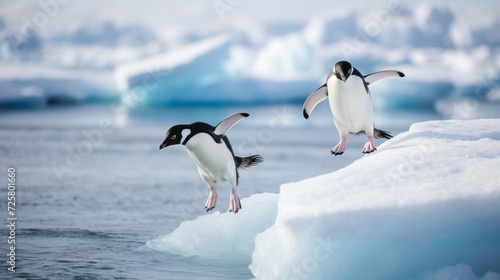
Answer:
(351, 105)
(214, 160)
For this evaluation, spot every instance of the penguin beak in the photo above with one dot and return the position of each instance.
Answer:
(164, 144)
(343, 77)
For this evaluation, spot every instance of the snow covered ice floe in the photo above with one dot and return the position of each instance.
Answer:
(221, 238)
(425, 206)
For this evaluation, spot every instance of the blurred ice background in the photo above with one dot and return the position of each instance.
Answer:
(71, 69)
(160, 53)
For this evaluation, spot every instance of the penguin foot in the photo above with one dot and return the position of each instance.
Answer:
(369, 147)
(234, 202)
(211, 201)
(339, 149)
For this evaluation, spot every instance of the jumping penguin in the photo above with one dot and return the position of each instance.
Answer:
(350, 103)
(210, 149)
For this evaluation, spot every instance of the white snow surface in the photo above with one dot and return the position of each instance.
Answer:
(425, 206)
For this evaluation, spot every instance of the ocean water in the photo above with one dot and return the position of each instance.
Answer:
(93, 188)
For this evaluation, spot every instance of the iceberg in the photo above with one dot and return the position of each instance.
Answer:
(425, 206)
(182, 75)
(28, 85)
(221, 238)
(214, 71)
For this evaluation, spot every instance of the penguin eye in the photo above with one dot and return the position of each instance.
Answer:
(173, 137)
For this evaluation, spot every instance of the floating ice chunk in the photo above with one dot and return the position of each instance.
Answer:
(225, 238)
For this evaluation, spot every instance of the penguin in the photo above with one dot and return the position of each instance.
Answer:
(350, 102)
(211, 150)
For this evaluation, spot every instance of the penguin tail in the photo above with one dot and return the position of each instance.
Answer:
(382, 134)
(245, 162)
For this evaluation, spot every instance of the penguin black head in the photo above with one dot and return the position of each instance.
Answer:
(174, 136)
(343, 70)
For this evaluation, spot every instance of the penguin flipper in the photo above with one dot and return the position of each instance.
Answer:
(225, 125)
(373, 77)
(314, 99)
